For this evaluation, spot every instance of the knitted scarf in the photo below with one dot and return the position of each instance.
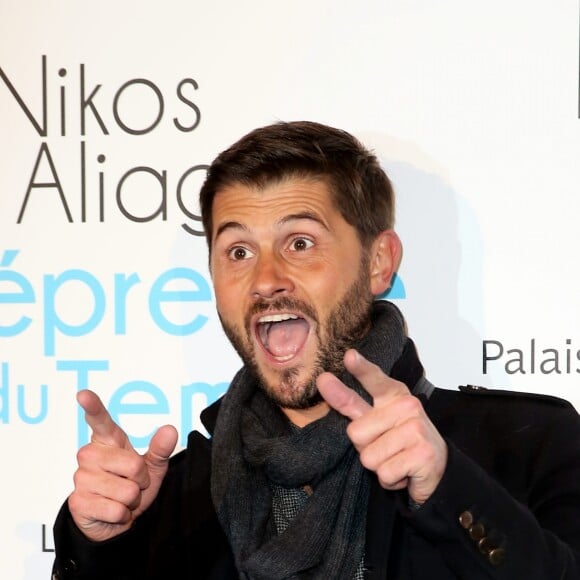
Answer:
(254, 444)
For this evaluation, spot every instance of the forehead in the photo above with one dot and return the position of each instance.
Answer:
(274, 201)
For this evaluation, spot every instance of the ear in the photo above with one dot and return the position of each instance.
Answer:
(385, 257)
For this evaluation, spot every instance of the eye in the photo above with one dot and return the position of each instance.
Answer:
(301, 244)
(238, 253)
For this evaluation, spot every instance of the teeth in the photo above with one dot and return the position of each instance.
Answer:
(277, 318)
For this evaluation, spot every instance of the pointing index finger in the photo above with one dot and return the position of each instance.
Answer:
(340, 397)
(104, 429)
(377, 384)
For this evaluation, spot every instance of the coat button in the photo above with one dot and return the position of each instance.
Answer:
(474, 388)
(466, 519)
(485, 545)
(477, 531)
(70, 565)
(496, 556)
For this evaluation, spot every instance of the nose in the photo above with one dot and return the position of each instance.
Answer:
(270, 277)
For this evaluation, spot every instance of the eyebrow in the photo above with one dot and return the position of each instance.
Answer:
(229, 226)
(305, 215)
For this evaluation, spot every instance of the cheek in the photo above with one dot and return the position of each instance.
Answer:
(229, 283)
(229, 302)
(224, 298)
(328, 289)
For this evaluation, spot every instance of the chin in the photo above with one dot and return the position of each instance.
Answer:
(305, 403)
(291, 391)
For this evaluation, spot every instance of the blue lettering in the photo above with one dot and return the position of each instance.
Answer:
(52, 322)
(122, 285)
(211, 393)
(159, 294)
(20, 396)
(42, 412)
(24, 296)
(118, 407)
(82, 368)
(4, 386)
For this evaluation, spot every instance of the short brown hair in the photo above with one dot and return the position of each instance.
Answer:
(360, 188)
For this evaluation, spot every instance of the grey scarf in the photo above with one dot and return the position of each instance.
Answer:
(253, 445)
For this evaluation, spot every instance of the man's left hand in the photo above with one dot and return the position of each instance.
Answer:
(394, 437)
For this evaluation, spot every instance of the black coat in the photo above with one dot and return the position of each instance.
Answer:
(507, 508)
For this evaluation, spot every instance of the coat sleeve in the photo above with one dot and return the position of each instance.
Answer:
(77, 558)
(517, 517)
(177, 537)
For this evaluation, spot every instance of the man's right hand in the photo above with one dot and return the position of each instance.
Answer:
(113, 483)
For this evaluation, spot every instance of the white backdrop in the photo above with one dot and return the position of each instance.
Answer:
(110, 111)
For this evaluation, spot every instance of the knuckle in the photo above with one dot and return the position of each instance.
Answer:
(117, 513)
(385, 475)
(74, 502)
(83, 479)
(428, 452)
(411, 404)
(135, 467)
(129, 492)
(368, 459)
(417, 427)
(77, 479)
(399, 387)
(85, 454)
(354, 431)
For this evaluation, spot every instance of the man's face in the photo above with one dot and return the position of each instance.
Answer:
(291, 283)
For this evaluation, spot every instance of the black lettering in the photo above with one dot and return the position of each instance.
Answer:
(486, 357)
(162, 209)
(101, 159)
(550, 365)
(519, 362)
(62, 74)
(159, 96)
(83, 183)
(185, 100)
(88, 102)
(45, 548)
(44, 151)
(183, 207)
(42, 130)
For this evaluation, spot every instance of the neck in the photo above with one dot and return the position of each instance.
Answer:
(303, 417)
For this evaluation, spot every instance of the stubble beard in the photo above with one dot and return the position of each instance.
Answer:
(346, 324)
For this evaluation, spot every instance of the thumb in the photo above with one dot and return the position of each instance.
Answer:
(160, 449)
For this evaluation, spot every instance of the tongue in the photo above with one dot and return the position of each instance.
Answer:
(286, 337)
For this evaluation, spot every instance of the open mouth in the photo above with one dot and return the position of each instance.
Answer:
(282, 335)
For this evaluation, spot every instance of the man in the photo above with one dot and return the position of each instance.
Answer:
(331, 455)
